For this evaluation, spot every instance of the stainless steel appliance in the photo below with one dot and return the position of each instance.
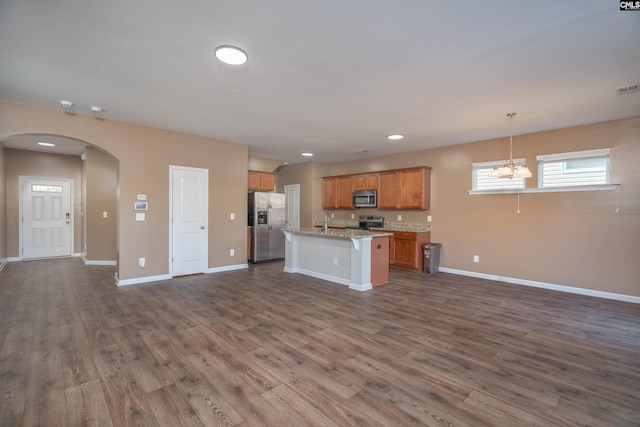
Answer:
(266, 219)
(367, 222)
(365, 199)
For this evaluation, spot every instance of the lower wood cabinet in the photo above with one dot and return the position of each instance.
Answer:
(405, 249)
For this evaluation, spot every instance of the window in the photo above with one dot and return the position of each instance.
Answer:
(46, 188)
(574, 169)
(483, 182)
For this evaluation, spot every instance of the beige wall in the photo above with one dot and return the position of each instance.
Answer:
(263, 164)
(45, 165)
(309, 176)
(101, 177)
(3, 207)
(145, 155)
(573, 239)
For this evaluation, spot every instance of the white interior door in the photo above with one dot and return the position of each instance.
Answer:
(292, 203)
(47, 217)
(189, 220)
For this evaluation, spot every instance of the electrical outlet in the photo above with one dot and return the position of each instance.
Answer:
(232, 252)
(104, 214)
(141, 262)
(428, 218)
(399, 217)
(331, 215)
(232, 216)
(353, 216)
(476, 258)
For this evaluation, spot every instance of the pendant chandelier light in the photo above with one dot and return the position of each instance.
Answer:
(511, 169)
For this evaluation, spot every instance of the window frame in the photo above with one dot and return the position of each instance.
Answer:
(475, 167)
(603, 153)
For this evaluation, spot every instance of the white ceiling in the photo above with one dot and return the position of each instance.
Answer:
(333, 76)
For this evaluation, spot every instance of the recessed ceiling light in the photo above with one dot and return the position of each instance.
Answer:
(46, 144)
(96, 109)
(395, 136)
(307, 154)
(231, 55)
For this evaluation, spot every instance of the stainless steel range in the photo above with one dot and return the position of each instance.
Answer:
(367, 222)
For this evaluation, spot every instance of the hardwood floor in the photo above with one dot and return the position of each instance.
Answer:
(262, 347)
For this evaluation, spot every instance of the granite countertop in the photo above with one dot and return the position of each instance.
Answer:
(339, 233)
(416, 228)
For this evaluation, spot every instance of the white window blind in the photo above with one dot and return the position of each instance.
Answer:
(574, 169)
(483, 182)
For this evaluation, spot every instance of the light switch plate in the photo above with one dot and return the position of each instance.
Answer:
(140, 216)
(104, 214)
(399, 217)
(428, 218)
(232, 216)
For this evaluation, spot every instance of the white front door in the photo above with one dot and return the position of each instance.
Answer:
(189, 220)
(292, 204)
(47, 217)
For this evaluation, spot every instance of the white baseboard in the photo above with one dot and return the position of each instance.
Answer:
(227, 268)
(317, 275)
(544, 285)
(76, 255)
(361, 288)
(94, 262)
(14, 259)
(3, 262)
(138, 280)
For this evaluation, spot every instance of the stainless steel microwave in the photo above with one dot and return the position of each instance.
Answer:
(365, 199)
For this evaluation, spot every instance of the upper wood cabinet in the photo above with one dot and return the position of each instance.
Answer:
(363, 182)
(404, 189)
(261, 181)
(329, 193)
(337, 192)
(397, 189)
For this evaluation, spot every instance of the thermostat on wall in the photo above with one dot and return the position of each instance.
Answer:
(142, 197)
(141, 206)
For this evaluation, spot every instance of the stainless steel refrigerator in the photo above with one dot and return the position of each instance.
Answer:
(266, 219)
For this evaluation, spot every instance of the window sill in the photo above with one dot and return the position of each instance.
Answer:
(603, 187)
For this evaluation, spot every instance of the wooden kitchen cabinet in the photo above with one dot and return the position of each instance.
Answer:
(404, 189)
(363, 182)
(337, 192)
(261, 181)
(388, 190)
(328, 193)
(405, 249)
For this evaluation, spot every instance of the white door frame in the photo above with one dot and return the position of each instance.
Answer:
(172, 169)
(21, 180)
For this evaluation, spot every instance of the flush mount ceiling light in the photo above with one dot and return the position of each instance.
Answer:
(395, 137)
(46, 144)
(511, 169)
(231, 55)
(66, 104)
(96, 109)
(307, 154)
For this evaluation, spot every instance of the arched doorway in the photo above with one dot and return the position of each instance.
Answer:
(94, 174)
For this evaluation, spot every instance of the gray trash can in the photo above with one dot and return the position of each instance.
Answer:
(431, 257)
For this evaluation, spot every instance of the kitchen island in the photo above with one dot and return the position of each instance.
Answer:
(359, 259)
